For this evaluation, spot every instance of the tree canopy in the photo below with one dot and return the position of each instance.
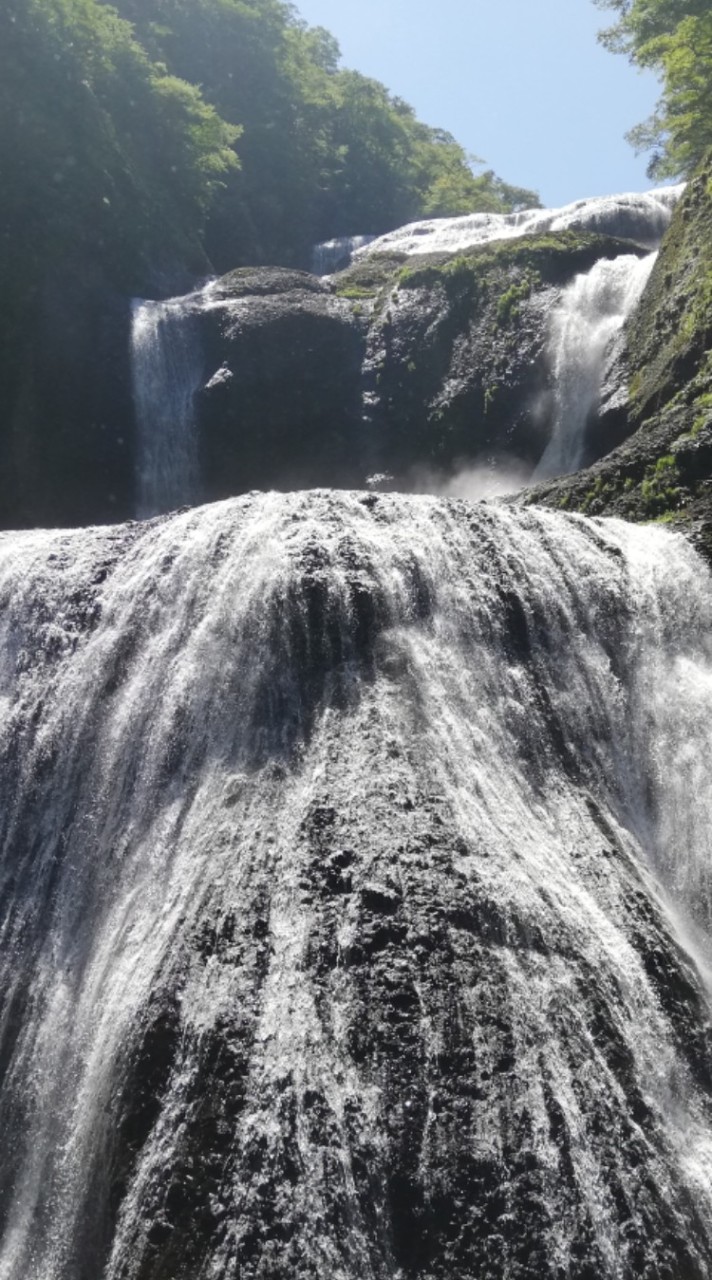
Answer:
(673, 38)
(102, 151)
(152, 131)
(324, 151)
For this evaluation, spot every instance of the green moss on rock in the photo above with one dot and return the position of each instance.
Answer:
(554, 257)
(671, 330)
(508, 304)
(369, 276)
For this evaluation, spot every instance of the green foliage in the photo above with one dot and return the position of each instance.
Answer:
(508, 304)
(103, 155)
(154, 134)
(673, 38)
(703, 405)
(490, 398)
(597, 493)
(325, 152)
(354, 292)
(668, 517)
(535, 257)
(660, 488)
(453, 271)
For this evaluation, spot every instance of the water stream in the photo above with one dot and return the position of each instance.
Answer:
(167, 369)
(642, 217)
(334, 255)
(590, 313)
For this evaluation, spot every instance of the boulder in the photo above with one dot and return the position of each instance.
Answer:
(281, 403)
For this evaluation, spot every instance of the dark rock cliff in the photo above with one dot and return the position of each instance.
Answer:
(404, 367)
(281, 403)
(456, 370)
(66, 413)
(395, 366)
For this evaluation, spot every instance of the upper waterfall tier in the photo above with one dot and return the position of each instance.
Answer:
(643, 218)
(333, 255)
(166, 372)
(583, 326)
(354, 858)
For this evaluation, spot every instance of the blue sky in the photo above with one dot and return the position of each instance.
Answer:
(522, 83)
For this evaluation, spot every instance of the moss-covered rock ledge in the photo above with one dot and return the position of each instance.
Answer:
(455, 368)
(663, 471)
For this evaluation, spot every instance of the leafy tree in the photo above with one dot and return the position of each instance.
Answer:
(145, 132)
(324, 151)
(640, 21)
(103, 156)
(673, 38)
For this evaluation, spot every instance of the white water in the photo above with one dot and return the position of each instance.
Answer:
(643, 218)
(167, 371)
(591, 311)
(334, 255)
(176, 698)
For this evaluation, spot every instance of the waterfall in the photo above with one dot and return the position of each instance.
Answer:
(335, 255)
(643, 218)
(167, 370)
(591, 311)
(353, 852)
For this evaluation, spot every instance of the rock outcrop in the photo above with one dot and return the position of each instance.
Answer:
(281, 403)
(412, 367)
(456, 369)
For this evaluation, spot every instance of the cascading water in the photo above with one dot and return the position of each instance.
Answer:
(643, 218)
(335, 255)
(353, 849)
(167, 368)
(591, 311)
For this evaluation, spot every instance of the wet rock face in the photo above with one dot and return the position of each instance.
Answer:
(413, 372)
(345, 873)
(281, 405)
(458, 369)
(448, 382)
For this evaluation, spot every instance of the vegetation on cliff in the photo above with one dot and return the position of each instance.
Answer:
(324, 151)
(144, 144)
(145, 132)
(105, 157)
(673, 38)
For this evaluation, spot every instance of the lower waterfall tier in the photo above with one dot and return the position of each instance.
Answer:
(355, 891)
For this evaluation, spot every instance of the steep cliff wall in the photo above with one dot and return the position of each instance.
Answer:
(664, 469)
(456, 366)
(408, 366)
(412, 368)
